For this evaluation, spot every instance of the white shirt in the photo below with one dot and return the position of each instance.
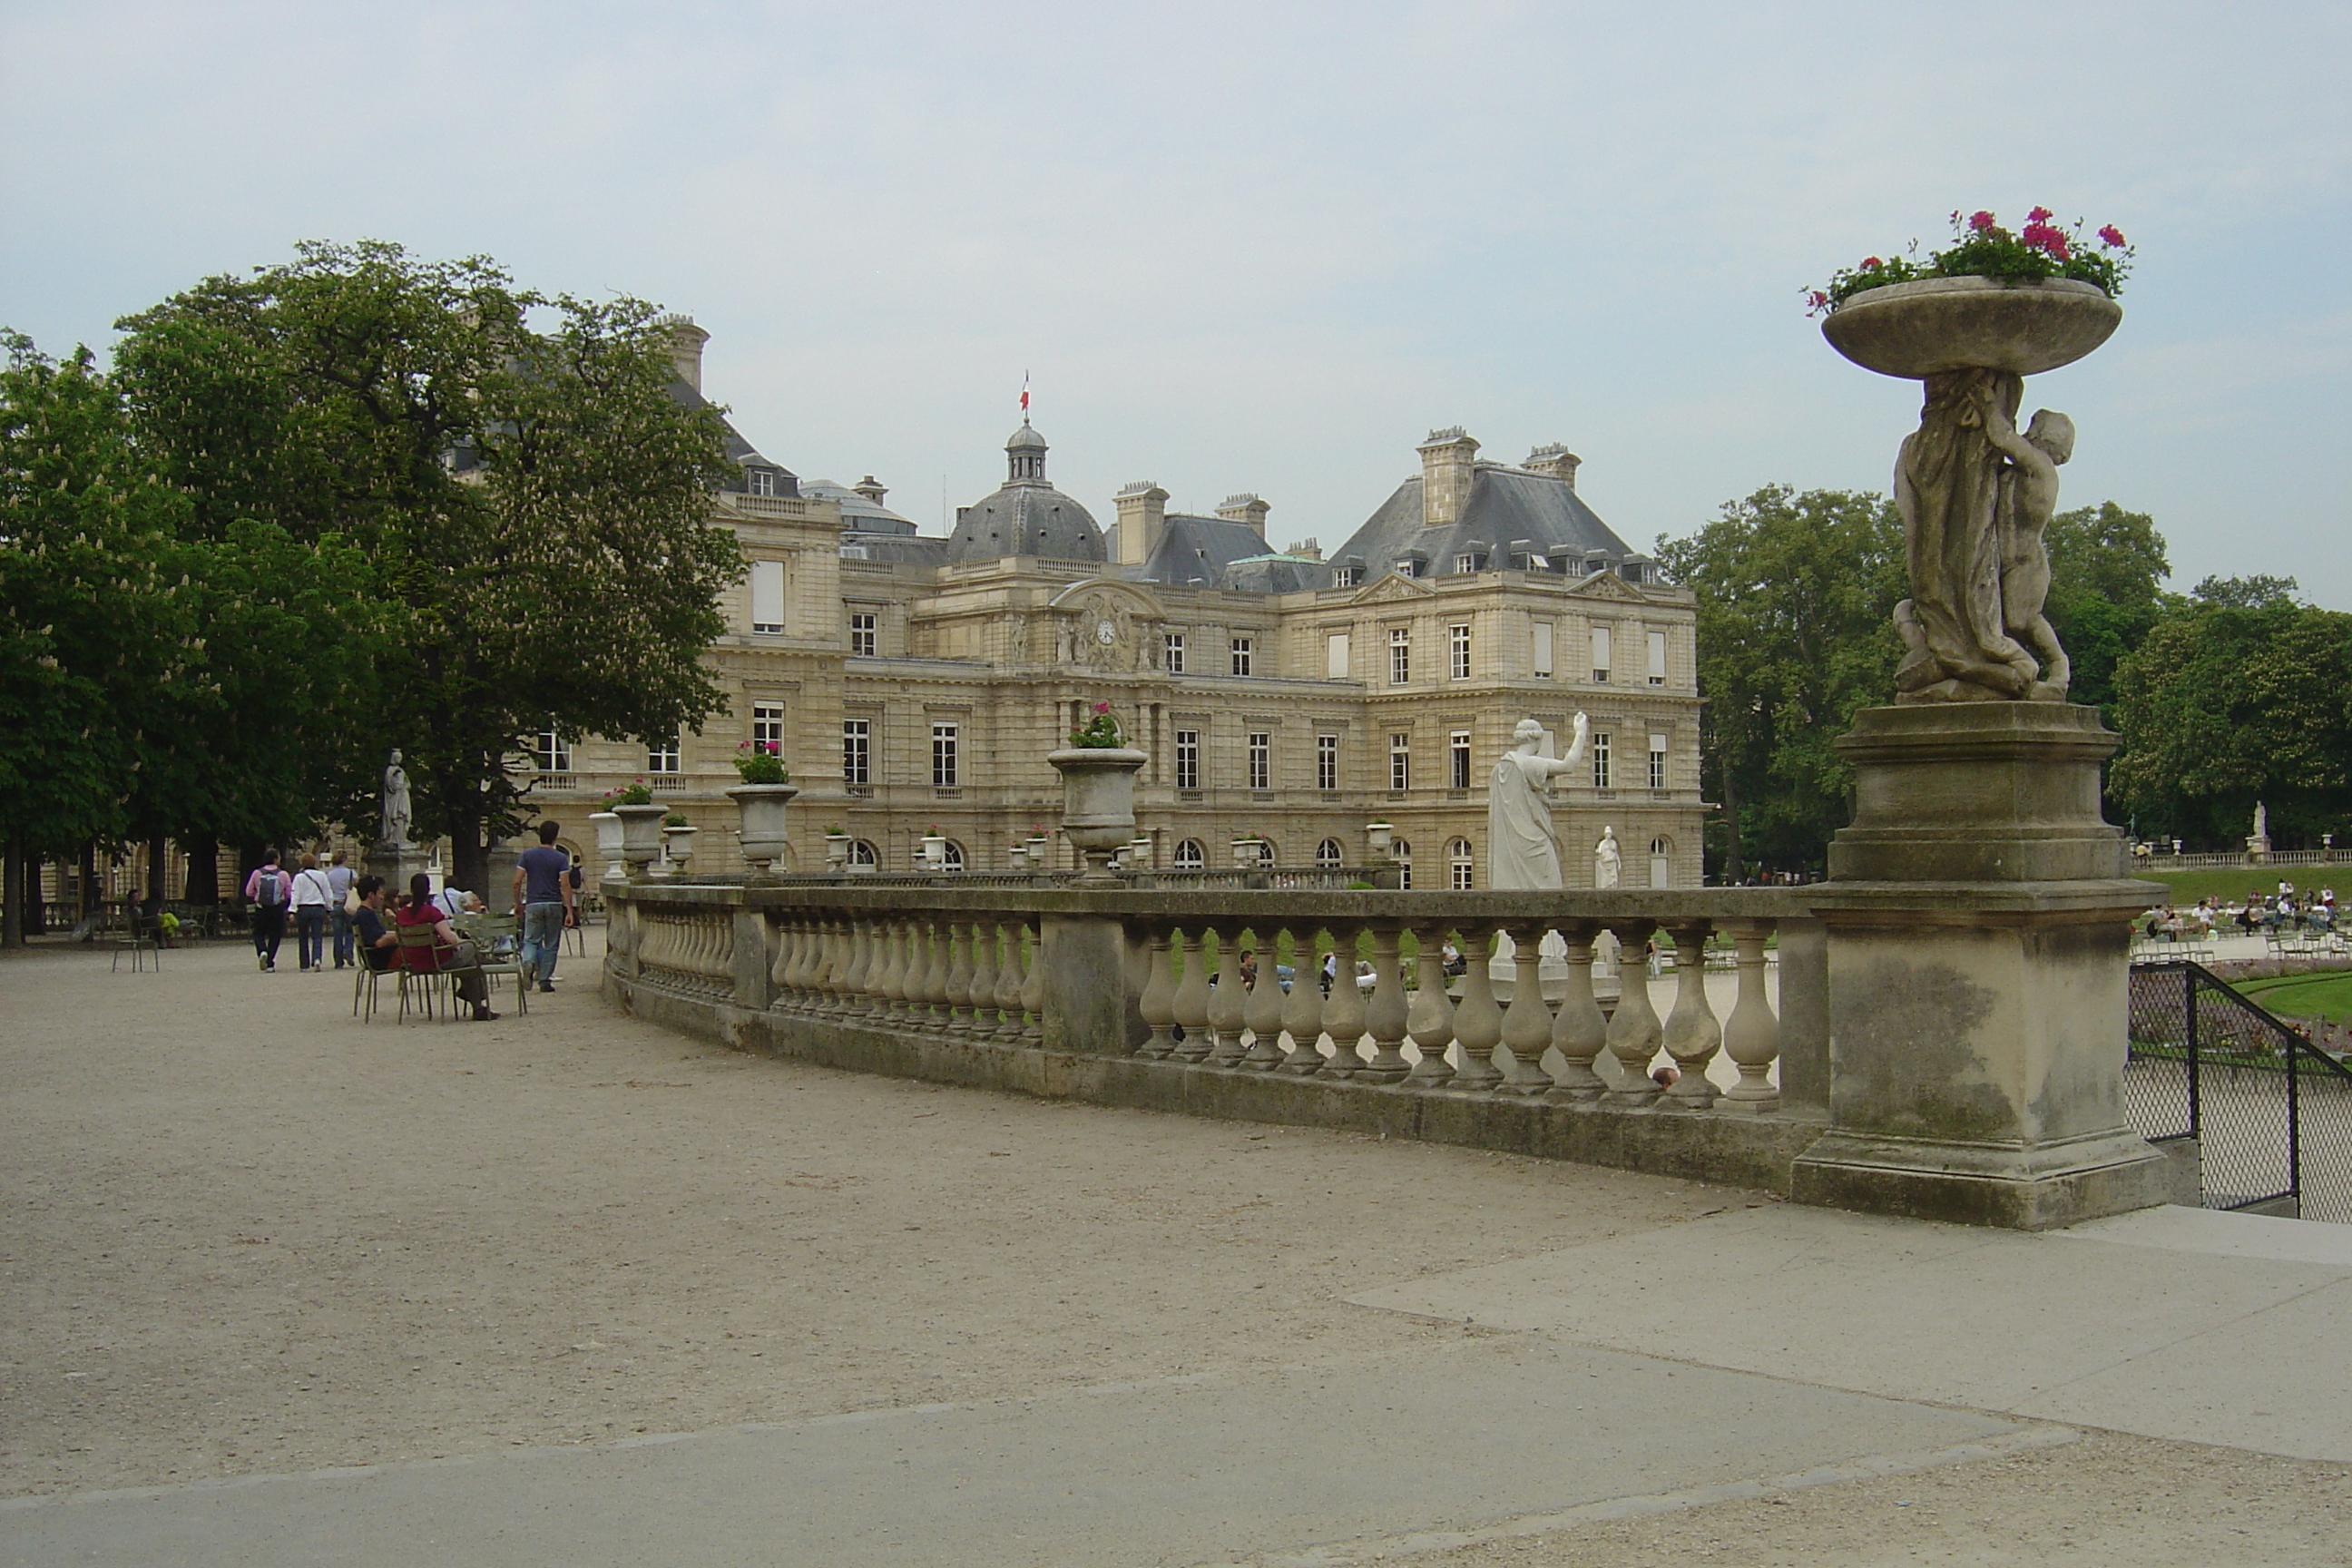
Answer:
(310, 888)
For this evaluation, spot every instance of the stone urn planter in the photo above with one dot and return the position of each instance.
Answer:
(1097, 801)
(640, 835)
(678, 847)
(933, 853)
(836, 852)
(608, 844)
(762, 833)
(1940, 324)
(1247, 856)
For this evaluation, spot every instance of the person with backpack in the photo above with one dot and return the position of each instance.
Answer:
(270, 892)
(313, 897)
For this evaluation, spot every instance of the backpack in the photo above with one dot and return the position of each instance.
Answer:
(269, 891)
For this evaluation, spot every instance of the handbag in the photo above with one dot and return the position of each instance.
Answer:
(352, 899)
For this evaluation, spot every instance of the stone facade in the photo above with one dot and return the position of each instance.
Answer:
(1276, 693)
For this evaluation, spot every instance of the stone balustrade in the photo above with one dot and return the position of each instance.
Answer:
(1130, 996)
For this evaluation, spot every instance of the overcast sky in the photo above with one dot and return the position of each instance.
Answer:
(1268, 246)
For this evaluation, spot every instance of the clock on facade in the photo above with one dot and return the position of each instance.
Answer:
(1106, 633)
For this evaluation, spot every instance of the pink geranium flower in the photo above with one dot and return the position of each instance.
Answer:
(2040, 215)
(2112, 235)
(1980, 220)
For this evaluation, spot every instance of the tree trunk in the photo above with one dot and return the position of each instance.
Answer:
(33, 910)
(89, 897)
(1735, 870)
(12, 897)
(469, 861)
(203, 886)
(159, 849)
(248, 860)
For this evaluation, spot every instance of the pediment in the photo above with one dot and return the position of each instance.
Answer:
(1105, 593)
(1392, 587)
(1609, 586)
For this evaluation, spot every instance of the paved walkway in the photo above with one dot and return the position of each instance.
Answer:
(280, 1288)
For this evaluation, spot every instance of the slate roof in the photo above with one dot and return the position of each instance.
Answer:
(1195, 551)
(858, 515)
(1026, 516)
(1510, 515)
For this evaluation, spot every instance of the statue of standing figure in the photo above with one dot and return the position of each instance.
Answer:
(2261, 820)
(1608, 861)
(1522, 850)
(396, 817)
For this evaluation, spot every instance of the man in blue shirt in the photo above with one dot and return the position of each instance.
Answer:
(543, 902)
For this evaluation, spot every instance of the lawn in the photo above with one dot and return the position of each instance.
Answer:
(2325, 995)
(2230, 885)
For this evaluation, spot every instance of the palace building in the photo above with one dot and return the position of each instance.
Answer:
(915, 682)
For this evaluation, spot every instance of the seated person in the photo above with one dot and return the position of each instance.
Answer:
(372, 938)
(449, 950)
(456, 901)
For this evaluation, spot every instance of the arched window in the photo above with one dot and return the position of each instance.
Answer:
(1460, 870)
(1189, 856)
(1402, 850)
(954, 856)
(1328, 853)
(1265, 852)
(863, 853)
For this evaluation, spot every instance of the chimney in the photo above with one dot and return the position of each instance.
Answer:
(686, 341)
(1142, 513)
(871, 489)
(1244, 507)
(1555, 461)
(1448, 460)
(1306, 550)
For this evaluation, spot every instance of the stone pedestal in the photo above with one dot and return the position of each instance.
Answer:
(1977, 929)
(396, 863)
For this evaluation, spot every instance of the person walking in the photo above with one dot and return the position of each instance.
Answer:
(269, 891)
(542, 903)
(341, 881)
(313, 896)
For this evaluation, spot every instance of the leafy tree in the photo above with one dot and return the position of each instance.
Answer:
(1795, 596)
(2106, 570)
(2238, 694)
(529, 499)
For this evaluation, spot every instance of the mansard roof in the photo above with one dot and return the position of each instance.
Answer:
(1510, 513)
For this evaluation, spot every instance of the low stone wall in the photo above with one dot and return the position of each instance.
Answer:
(1747, 1151)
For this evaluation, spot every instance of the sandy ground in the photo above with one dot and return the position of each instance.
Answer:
(246, 1234)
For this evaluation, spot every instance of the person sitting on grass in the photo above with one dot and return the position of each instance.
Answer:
(450, 951)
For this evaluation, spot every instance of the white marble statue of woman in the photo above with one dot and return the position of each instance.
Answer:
(1608, 861)
(395, 803)
(1521, 849)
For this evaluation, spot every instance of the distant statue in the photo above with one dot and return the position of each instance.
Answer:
(1521, 849)
(1608, 861)
(2261, 820)
(2028, 495)
(395, 803)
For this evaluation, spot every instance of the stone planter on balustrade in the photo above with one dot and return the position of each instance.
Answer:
(762, 833)
(836, 853)
(640, 835)
(608, 844)
(677, 848)
(1098, 802)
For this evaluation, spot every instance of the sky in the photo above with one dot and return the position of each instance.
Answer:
(1269, 246)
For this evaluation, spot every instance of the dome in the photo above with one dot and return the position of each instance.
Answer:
(1027, 517)
(1025, 438)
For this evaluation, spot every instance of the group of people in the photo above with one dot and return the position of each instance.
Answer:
(333, 906)
(2283, 910)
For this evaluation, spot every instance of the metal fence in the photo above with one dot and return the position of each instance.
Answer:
(2272, 1112)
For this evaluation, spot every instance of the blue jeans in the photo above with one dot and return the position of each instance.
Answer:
(339, 926)
(543, 939)
(310, 934)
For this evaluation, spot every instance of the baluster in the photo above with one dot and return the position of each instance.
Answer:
(1010, 974)
(1581, 1031)
(1263, 1009)
(1343, 1010)
(1158, 1000)
(837, 966)
(1302, 1010)
(1526, 1023)
(1691, 1034)
(805, 949)
(1226, 999)
(1751, 1036)
(1193, 998)
(1477, 1022)
(983, 979)
(1032, 983)
(856, 981)
(890, 982)
(1385, 1011)
(782, 965)
(1634, 1032)
(1430, 1021)
(935, 977)
(958, 977)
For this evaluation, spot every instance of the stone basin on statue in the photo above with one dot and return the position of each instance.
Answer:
(1937, 324)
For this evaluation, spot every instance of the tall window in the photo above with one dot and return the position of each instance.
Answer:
(1335, 655)
(1400, 656)
(1261, 759)
(1457, 747)
(1189, 856)
(861, 636)
(1457, 641)
(1401, 850)
(1401, 760)
(1657, 761)
(661, 756)
(1460, 870)
(768, 727)
(767, 595)
(1543, 650)
(1188, 759)
(1241, 651)
(1329, 853)
(1326, 761)
(1600, 653)
(1600, 759)
(943, 755)
(858, 751)
(1174, 647)
(552, 751)
(1657, 659)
